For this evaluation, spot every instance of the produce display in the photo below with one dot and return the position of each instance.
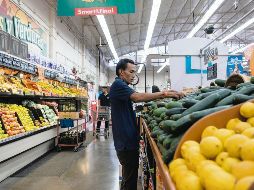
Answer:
(10, 121)
(25, 118)
(3, 135)
(47, 117)
(222, 160)
(168, 120)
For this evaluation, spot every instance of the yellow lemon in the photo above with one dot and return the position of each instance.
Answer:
(189, 146)
(251, 121)
(209, 131)
(244, 183)
(223, 134)
(221, 157)
(175, 163)
(193, 160)
(247, 151)
(228, 163)
(243, 169)
(232, 122)
(210, 147)
(241, 126)
(249, 132)
(204, 168)
(234, 144)
(219, 180)
(247, 110)
(187, 181)
(178, 170)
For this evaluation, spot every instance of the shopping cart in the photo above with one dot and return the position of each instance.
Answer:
(103, 114)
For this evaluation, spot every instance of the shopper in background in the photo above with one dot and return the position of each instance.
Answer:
(103, 100)
(124, 126)
(155, 89)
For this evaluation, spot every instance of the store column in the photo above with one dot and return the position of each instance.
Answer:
(52, 34)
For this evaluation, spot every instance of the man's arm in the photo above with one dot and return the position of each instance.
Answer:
(145, 97)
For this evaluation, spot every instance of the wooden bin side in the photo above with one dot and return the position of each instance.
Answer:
(218, 119)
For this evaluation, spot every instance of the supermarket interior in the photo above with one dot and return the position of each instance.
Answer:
(127, 94)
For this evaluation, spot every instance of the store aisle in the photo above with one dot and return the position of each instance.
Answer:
(95, 167)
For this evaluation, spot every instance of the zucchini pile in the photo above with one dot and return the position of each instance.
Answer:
(168, 120)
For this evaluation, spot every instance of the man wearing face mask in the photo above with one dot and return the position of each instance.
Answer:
(124, 126)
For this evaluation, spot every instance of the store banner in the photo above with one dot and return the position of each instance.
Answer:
(234, 65)
(17, 23)
(94, 7)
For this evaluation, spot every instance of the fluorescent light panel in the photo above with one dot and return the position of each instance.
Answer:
(106, 32)
(239, 29)
(162, 67)
(207, 15)
(151, 25)
(241, 49)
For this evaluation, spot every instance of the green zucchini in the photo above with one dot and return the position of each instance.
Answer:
(167, 141)
(173, 111)
(240, 98)
(168, 155)
(223, 93)
(161, 104)
(174, 104)
(161, 138)
(206, 103)
(199, 114)
(220, 82)
(243, 84)
(252, 80)
(167, 125)
(156, 133)
(161, 148)
(226, 101)
(148, 104)
(181, 125)
(157, 112)
(187, 103)
(205, 90)
(175, 117)
(246, 90)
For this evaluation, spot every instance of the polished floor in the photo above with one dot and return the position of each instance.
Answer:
(94, 167)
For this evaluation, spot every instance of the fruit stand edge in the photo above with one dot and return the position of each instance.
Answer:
(163, 169)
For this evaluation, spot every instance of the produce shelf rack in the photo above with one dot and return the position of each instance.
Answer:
(162, 168)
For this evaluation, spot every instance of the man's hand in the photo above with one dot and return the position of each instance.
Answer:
(172, 94)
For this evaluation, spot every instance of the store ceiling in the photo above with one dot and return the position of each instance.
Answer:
(176, 18)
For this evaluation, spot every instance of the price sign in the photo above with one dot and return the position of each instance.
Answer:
(23, 50)
(15, 44)
(4, 41)
(212, 72)
(50, 74)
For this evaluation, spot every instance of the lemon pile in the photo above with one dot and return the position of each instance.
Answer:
(222, 160)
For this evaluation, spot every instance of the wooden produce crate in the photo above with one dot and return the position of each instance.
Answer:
(218, 119)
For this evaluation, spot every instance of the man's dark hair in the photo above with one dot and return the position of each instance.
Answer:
(122, 64)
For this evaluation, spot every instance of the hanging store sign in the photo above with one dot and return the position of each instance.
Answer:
(210, 54)
(234, 65)
(94, 7)
(17, 23)
(212, 72)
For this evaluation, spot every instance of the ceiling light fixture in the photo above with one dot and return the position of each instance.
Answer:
(207, 15)
(239, 29)
(241, 49)
(151, 25)
(162, 67)
(106, 32)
